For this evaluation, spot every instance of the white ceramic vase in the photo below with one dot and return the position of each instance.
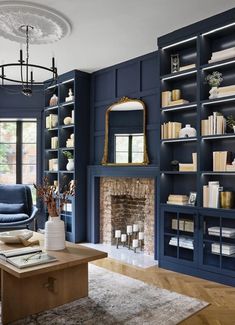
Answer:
(54, 234)
(213, 93)
(187, 132)
(70, 165)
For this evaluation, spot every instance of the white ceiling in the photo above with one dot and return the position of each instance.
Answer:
(106, 32)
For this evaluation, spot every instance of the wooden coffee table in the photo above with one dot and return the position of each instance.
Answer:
(28, 291)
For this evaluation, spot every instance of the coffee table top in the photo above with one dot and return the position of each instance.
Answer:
(72, 255)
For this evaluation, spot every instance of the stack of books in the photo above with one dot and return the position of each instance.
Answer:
(225, 232)
(221, 159)
(226, 249)
(211, 194)
(189, 167)
(187, 67)
(54, 142)
(226, 91)
(166, 100)
(183, 242)
(215, 124)
(177, 199)
(230, 168)
(51, 121)
(53, 164)
(222, 55)
(170, 130)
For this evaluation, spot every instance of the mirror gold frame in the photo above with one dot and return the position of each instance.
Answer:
(106, 141)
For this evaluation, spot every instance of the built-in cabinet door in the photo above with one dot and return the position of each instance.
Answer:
(179, 235)
(217, 242)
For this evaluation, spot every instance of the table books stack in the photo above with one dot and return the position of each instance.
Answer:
(225, 232)
(222, 55)
(183, 242)
(226, 249)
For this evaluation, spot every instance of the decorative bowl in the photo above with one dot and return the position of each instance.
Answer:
(12, 237)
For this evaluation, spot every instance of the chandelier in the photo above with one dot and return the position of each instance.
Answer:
(26, 78)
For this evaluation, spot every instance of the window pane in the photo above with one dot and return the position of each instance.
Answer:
(7, 132)
(29, 153)
(8, 174)
(29, 132)
(137, 143)
(122, 143)
(7, 154)
(121, 157)
(29, 174)
(137, 157)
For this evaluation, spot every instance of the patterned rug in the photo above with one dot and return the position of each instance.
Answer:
(115, 299)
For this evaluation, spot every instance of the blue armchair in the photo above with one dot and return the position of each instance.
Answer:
(16, 206)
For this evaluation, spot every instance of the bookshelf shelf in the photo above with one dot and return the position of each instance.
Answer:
(203, 50)
(64, 137)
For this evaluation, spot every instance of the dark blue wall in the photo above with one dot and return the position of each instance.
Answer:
(136, 78)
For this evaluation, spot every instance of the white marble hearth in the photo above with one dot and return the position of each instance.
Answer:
(124, 255)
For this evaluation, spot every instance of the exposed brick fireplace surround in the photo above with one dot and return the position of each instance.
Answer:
(125, 201)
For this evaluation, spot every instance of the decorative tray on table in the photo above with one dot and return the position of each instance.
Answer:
(15, 236)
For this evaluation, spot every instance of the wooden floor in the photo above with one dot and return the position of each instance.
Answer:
(221, 297)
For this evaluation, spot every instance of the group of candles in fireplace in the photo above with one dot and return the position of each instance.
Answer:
(133, 234)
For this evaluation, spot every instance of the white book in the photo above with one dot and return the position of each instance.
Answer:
(213, 194)
(33, 259)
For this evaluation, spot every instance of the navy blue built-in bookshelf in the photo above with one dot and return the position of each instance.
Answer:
(195, 44)
(75, 214)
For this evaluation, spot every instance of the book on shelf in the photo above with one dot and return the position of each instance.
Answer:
(189, 167)
(182, 242)
(220, 160)
(177, 199)
(225, 232)
(31, 259)
(178, 102)
(170, 130)
(51, 121)
(230, 168)
(226, 249)
(187, 67)
(184, 225)
(53, 164)
(215, 124)
(222, 55)
(166, 98)
(54, 142)
(211, 194)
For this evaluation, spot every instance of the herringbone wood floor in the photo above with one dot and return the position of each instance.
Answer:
(221, 297)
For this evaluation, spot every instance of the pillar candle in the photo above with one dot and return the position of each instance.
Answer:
(135, 227)
(129, 229)
(123, 238)
(135, 243)
(117, 233)
(141, 235)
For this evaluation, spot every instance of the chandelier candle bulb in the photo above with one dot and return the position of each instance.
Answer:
(129, 230)
(117, 233)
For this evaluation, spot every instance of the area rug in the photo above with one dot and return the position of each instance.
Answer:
(115, 299)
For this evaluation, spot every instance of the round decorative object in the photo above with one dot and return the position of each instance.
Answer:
(53, 100)
(48, 25)
(213, 93)
(175, 165)
(13, 236)
(54, 234)
(67, 120)
(70, 165)
(187, 132)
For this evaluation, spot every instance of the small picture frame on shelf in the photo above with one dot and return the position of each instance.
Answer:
(192, 198)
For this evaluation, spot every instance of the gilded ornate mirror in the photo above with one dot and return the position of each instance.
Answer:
(125, 133)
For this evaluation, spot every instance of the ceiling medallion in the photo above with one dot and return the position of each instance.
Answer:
(49, 25)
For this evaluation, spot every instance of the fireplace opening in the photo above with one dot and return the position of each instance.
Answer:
(126, 202)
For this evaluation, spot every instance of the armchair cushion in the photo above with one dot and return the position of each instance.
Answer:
(11, 208)
(5, 218)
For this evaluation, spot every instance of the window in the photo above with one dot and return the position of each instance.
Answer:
(129, 148)
(18, 152)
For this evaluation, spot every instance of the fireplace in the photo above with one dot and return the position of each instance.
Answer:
(127, 201)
